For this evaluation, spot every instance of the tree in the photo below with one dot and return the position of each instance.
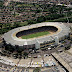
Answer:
(9, 48)
(1, 3)
(16, 24)
(1, 25)
(18, 49)
(9, 25)
(37, 70)
(60, 9)
(41, 19)
(25, 53)
(38, 11)
(52, 10)
(31, 22)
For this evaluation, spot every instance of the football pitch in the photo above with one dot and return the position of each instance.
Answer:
(35, 35)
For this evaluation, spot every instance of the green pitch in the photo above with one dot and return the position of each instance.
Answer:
(35, 35)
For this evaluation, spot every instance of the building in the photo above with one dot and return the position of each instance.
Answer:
(12, 37)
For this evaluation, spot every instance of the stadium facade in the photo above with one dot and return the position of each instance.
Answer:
(61, 33)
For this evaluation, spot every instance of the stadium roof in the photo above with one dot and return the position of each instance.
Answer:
(10, 37)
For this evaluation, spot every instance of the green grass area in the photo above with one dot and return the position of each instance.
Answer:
(37, 6)
(20, 5)
(35, 35)
(24, 23)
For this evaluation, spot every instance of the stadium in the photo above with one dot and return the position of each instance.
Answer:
(33, 36)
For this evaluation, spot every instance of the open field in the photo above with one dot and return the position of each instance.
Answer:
(35, 35)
